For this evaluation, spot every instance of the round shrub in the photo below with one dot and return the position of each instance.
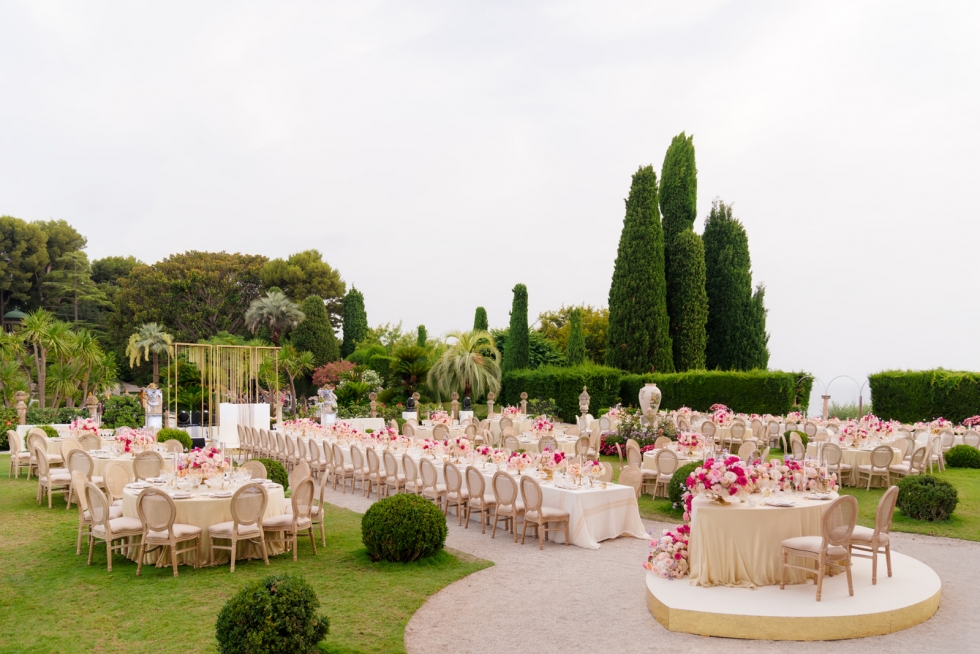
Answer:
(277, 615)
(403, 528)
(678, 483)
(123, 411)
(963, 456)
(165, 435)
(923, 497)
(276, 472)
(50, 431)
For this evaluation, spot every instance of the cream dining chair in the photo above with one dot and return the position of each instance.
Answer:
(832, 548)
(49, 479)
(19, 457)
(456, 495)
(393, 478)
(538, 516)
(158, 515)
(106, 528)
(509, 506)
(256, 468)
(874, 540)
(431, 488)
(298, 519)
(477, 499)
(147, 465)
(247, 510)
(631, 476)
(881, 459)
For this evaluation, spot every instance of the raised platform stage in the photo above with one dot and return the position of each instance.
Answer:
(909, 597)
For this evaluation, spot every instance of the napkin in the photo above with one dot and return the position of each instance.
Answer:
(181, 496)
(780, 503)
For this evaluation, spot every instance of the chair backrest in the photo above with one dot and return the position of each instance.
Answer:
(737, 429)
(37, 439)
(15, 441)
(511, 443)
(573, 431)
(937, 445)
(89, 441)
(147, 464)
(78, 482)
(757, 427)
(470, 431)
(683, 424)
(881, 457)
(604, 423)
(838, 521)
(476, 485)
(745, 450)
(67, 446)
(663, 441)
(607, 474)
(531, 493)
(799, 452)
(947, 439)
(547, 442)
(454, 480)
(156, 510)
(707, 428)
(393, 424)
(666, 461)
(902, 445)
(791, 426)
(301, 452)
(631, 476)
(910, 447)
(508, 431)
(257, 468)
(312, 452)
(302, 497)
(373, 461)
(338, 456)
(918, 460)
(885, 510)
(356, 458)
(299, 471)
(633, 455)
(810, 429)
(582, 446)
(972, 439)
(326, 452)
(41, 455)
(98, 506)
(795, 437)
(391, 463)
(173, 445)
(81, 461)
(281, 451)
(291, 451)
(440, 432)
(505, 423)
(774, 428)
(595, 440)
(504, 488)
(408, 430)
(430, 476)
(832, 454)
(248, 505)
(411, 470)
(632, 441)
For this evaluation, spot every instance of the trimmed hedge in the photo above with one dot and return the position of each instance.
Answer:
(276, 472)
(123, 411)
(403, 528)
(165, 435)
(753, 391)
(924, 497)
(963, 456)
(923, 395)
(563, 385)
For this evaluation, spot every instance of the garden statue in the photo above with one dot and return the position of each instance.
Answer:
(153, 404)
(328, 405)
(583, 402)
(455, 410)
(21, 406)
(92, 404)
(374, 404)
(524, 403)
(491, 396)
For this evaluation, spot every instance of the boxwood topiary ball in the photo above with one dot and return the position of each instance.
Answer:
(276, 472)
(50, 431)
(923, 497)
(963, 456)
(180, 435)
(403, 528)
(678, 482)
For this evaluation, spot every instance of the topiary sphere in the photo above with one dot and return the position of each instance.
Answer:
(678, 482)
(165, 435)
(923, 497)
(277, 615)
(50, 431)
(403, 528)
(276, 472)
(963, 456)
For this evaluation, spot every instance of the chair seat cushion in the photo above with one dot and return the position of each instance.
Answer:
(223, 530)
(863, 535)
(866, 467)
(509, 510)
(55, 458)
(547, 513)
(439, 489)
(119, 526)
(649, 474)
(399, 478)
(284, 521)
(56, 479)
(487, 501)
(900, 467)
(114, 512)
(812, 544)
(180, 532)
(461, 495)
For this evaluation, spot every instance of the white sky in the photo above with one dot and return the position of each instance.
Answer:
(439, 153)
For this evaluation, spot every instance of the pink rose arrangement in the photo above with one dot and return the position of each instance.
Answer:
(458, 446)
(614, 412)
(668, 556)
(549, 460)
(439, 417)
(206, 461)
(795, 416)
(511, 412)
(972, 422)
(132, 439)
(542, 425)
(593, 469)
(520, 461)
(723, 416)
(690, 439)
(84, 424)
(431, 447)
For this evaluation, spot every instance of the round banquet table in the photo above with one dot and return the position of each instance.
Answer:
(426, 432)
(102, 461)
(740, 545)
(54, 444)
(565, 444)
(650, 460)
(855, 456)
(203, 511)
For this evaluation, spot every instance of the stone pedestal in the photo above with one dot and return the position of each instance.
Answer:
(455, 410)
(583, 402)
(491, 396)
(21, 397)
(524, 403)
(374, 404)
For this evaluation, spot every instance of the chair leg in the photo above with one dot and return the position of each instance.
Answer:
(295, 533)
(782, 572)
(173, 556)
(566, 532)
(139, 558)
(874, 566)
(234, 549)
(820, 570)
(91, 547)
(523, 532)
(850, 582)
(312, 540)
(108, 552)
(541, 536)
(888, 558)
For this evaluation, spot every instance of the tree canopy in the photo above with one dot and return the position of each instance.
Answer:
(315, 334)
(304, 274)
(355, 321)
(516, 355)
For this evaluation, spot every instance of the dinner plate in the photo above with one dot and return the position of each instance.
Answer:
(181, 496)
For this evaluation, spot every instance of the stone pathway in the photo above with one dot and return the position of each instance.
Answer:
(567, 599)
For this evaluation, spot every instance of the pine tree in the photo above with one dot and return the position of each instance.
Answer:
(687, 300)
(517, 353)
(315, 334)
(575, 352)
(355, 321)
(422, 336)
(736, 318)
(639, 329)
(480, 321)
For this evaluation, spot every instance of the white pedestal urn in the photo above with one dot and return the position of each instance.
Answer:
(650, 397)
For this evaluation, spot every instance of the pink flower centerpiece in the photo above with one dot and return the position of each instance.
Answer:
(668, 556)
(972, 422)
(440, 418)
(542, 426)
(206, 462)
(84, 424)
(132, 441)
(511, 412)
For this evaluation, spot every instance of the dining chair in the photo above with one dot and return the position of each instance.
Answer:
(745, 450)
(832, 456)
(936, 454)
(67, 446)
(19, 457)
(810, 429)
(376, 477)
(412, 483)
(393, 478)
(736, 433)
(247, 511)
(799, 452)
(547, 443)
(455, 493)
(538, 516)
(431, 488)
(757, 428)
(147, 465)
(865, 539)
(662, 441)
(509, 507)
(105, 528)
(707, 428)
(115, 477)
(158, 515)
(881, 459)
(774, 433)
(948, 439)
(582, 446)
(173, 446)
(84, 516)
(81, 461)
(832, 548)
(607, 474)
(256, 468)
(478, 500)
(511, 443)
(360, 468)
(89, 441)
(408, 430)
(49, 479)
(916, 465)
(604, 423)
(292, 523)
(440, 432)
(299, 471)
(318, 512)
(631, 476)
(470, 432)
(505, 423)
(666, 466)
(342, 471)
(972, 439)
(573, 431)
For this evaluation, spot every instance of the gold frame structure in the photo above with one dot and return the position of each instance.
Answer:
(229, 373)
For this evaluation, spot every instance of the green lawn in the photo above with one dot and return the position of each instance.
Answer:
(51, 601)
(965, 522)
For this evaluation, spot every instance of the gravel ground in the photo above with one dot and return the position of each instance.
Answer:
(568, 599)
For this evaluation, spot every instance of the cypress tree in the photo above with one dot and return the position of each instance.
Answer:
(736, 318)
(355, 321)
(315, 334)
(480, 320)
(638, 338)
(687, 300)
(517, 352)
(422, 337)
(575, 351)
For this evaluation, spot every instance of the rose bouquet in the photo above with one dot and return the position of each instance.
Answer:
(551, 461)
(668, 556)
(132, 439)
(690, 439)
(723, 416)
(439, 418)
(542, 426)
(84, 424)
(593, 469)
(511, 412)
(614, 412)
(457, 447)
(430, 447)
(520, 461)
(972, 422)
(206, 461)
(724, 478)
(852, 433)
(795, 416)
(500, 457)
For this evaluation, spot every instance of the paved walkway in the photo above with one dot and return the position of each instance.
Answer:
(567, 599)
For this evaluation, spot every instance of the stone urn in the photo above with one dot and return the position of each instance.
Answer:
(650, 397)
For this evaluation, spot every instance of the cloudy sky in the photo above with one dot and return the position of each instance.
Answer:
(437, 153)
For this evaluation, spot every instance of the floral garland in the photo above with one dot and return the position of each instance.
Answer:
(668, 556)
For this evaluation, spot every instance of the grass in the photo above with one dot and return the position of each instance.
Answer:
(963, 524)
(51, 601)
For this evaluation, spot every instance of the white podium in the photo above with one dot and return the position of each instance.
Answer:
(256, 416)
(410, 415)
(465, 415)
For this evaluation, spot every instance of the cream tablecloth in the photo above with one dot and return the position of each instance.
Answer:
(740, 545)
(422, 432)
(855, 457)
(650, 460)
(202, 511)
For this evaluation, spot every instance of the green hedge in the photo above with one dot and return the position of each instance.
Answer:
(922, 395)
(55, 416)
(180, 435)
(563, 385)
(123, 411)
(963, 456)
(753, 391)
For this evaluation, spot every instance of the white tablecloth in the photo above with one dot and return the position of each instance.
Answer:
(363, 424)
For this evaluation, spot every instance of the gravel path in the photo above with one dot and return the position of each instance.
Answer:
(570, 599)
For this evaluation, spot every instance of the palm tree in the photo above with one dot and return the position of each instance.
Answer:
(87, 354)
(149, 340)
(275, 311)
(39, 332)
(411, 367)
(295, 363)
(471, 365)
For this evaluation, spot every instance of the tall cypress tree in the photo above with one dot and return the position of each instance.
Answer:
(422, 337)
(687, 300)
(736, 318)
(517, 352)
(315, 334)
(638, 338)
(575, 351)
(355, 321)
(480, 320)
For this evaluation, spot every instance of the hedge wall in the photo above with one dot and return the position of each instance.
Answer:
(563, 385)
(753, 391)
(923, 395)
